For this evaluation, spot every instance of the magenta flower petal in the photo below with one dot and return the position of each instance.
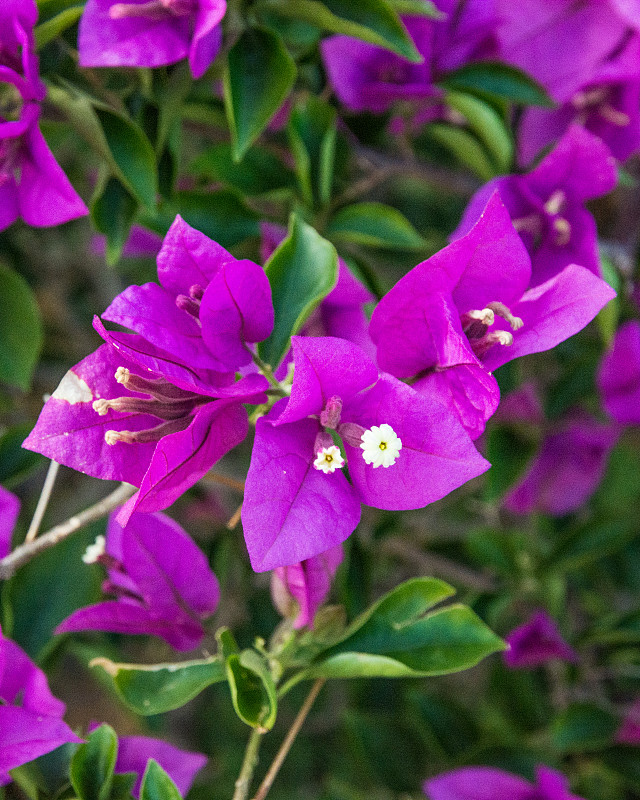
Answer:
(23, 683)
(291, 511)
(629, 731)
(9, 509)
(619, 376)
(181, 459)
(207, 35)
(479, 783)
(308, 583)
(552, 312)
(236, 309)
(181, 765)
(535, 642)
(325, 367)
(25, 735)
(436, 457)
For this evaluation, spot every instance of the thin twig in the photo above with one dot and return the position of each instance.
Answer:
(288, 741)
(224, 480)
(25, 552)
(235, 519)
(243, 784)
(43, 501)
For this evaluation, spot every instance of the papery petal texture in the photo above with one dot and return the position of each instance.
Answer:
(181, 765)
(535, 642)
(619, 376)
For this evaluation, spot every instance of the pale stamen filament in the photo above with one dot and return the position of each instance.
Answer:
(502, 311)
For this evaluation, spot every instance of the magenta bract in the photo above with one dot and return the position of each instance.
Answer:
(535, 642)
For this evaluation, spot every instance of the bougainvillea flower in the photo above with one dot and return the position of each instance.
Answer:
(32, 185)
(151, 33)
(467, 310)
(30, 716)
(607, 104)
(300, 589)
(161, 580)
(567, 470)
(487, 783)
(9, 508)
(151, 408)
(535, 642)
(619, 376)
(142, 243)
(629, 731)
(341, 312)
(369, 78)
(293, 508)
(547, 204)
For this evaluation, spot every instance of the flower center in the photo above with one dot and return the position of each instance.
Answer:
(153, 9)
(599, 100)
(191, 302)
(476, 324)
(329, 459)
(380, 446)
(10, 102)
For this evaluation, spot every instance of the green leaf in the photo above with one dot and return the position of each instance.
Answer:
(113, 210)
(301, 271)
(157, 785)
(375, 225)
(510, 452)
(583, 726)
(372, 21)
(312, 135)
(487, 125)
(500, 80)
(417, 8)
(259, 75)
(258, 173)
(161, 687)
(49, 30)
(16, 463)
(20, 330)
(464, 147)
(222, 216)
(93, 763)
(592, 543)
(133, 154)
(396, 637)
(253, 691)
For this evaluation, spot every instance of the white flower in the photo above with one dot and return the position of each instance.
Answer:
(329, 459)
(94, 551)
(380, 446)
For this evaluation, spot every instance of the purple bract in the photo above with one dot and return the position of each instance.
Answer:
(535, 642)
(487, 783)
(619, 376)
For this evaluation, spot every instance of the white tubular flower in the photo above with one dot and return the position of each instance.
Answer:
(380, 446)
(329, 459)
(94, 551)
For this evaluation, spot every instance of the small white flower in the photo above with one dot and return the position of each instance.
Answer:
(94, 551)
(329, 459)
(380, 446)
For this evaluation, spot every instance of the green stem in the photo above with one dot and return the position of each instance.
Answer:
(243, 784)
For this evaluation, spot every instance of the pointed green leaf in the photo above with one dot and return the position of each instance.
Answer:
(157, 785)
(113, 210)
(583, 727)
(259, 172)
(302, 271)
(253, 691)
(465, 147)
(47, 31)
(500, 80)
(374, 225)
(487, 125)
(259, 75)
(93, 763)
(223, 215)
(312, 134)
(20, 330)
(161, 687)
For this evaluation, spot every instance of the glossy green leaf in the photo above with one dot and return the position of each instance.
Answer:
(372, 21)
(312, 135)
(396, 637)
(157, 785)
(259, 75)
(374, 225)
(20, 330)
(487, 125)
(417, 8)
(465, 147)
(259, 172)
(583, 726)
(161, 687)
(223, 216)
(302, 270)
(93, 763)
(113, 210)
(499, 80)
(47, 31)
(253, 691)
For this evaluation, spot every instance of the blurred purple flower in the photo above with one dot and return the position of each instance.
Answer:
(9, 508)
(30, 716)
(297, 502)
(467, 310)
(547, 204)
(142, 243)
(487, 783)
(629, 731)
(159, 407)
(306, 584)
(619, 376)
(151, 33)
(161, 580)
(535, 642)
(32, 185)
(567, 470)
